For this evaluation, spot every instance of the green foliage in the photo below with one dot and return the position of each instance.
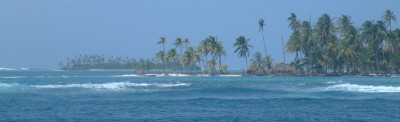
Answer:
(342, 48)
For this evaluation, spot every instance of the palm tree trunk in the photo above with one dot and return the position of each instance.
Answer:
(376, 62)
(220, 71)
(265, 47)
(180, 60)
(165, 64)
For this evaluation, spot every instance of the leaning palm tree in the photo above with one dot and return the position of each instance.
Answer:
(261, 24)
(242, 47)
(163, 41)
(179, 43)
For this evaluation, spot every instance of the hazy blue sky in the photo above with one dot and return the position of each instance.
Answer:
(40, 33)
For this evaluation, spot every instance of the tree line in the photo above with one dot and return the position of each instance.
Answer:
(329, 47)
(338, 47)
(87, 62)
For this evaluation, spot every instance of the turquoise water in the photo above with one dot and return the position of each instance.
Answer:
(113, 96)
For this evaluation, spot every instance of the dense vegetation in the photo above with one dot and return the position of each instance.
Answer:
(330, 47)
(337, 46)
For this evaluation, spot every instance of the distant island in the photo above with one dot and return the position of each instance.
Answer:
(327, 47)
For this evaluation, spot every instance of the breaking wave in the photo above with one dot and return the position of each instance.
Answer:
(112, 86)
(104, 86)
(363, 88)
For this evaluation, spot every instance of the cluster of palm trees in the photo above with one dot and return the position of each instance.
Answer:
(337, 46)
(330, 47)
(208, 55)
(188, 56)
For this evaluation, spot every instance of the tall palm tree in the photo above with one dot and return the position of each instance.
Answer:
(242, 47)
(325, 30)
(186, 43)
(198, 56)
(325, 35)
(216, 49)
(160, 56)
(163, 41)
(261, 24)
(388, 18)
(189, 58)
(346, 48)
(381, 38)
(204, 48)
(171, 55)
(293, 22)
(294, 44)
(219, 51)
(179, 43)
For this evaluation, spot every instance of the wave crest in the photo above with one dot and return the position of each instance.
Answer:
(363, 88)
(113, 85)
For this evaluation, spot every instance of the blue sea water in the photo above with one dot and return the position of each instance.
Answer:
(112, 96)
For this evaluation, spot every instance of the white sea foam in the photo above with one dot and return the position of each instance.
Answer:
(23, 68)
(113, 85)
(363, 88)
(126, 75)
(13, 77)
(7, 84)
(334, 82)
(8, 69)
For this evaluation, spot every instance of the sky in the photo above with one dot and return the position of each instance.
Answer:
(41, 33)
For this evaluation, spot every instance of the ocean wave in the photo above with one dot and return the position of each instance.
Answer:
(13, 69)
(125, 75)
(12, 77)
(334, 82)
(8, 84)
(363, 88)
(113, 85)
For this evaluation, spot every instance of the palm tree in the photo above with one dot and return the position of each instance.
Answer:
(163, 41)
(171, 55)
(204, 48)
(242, 47)
(219, 51)
(381, 38)
(160, 56)
(257, 61)
(325, 35)
(179, 43)
(198, 56)
(186, 43)
(261, 24)
(216, 49)
(388, 18)
(189, 58)
(293, 22)
(211, 66)
(294, 45)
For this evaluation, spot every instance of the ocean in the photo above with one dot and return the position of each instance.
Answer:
(47, 95)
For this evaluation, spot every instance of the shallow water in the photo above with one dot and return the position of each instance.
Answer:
(100, 96)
